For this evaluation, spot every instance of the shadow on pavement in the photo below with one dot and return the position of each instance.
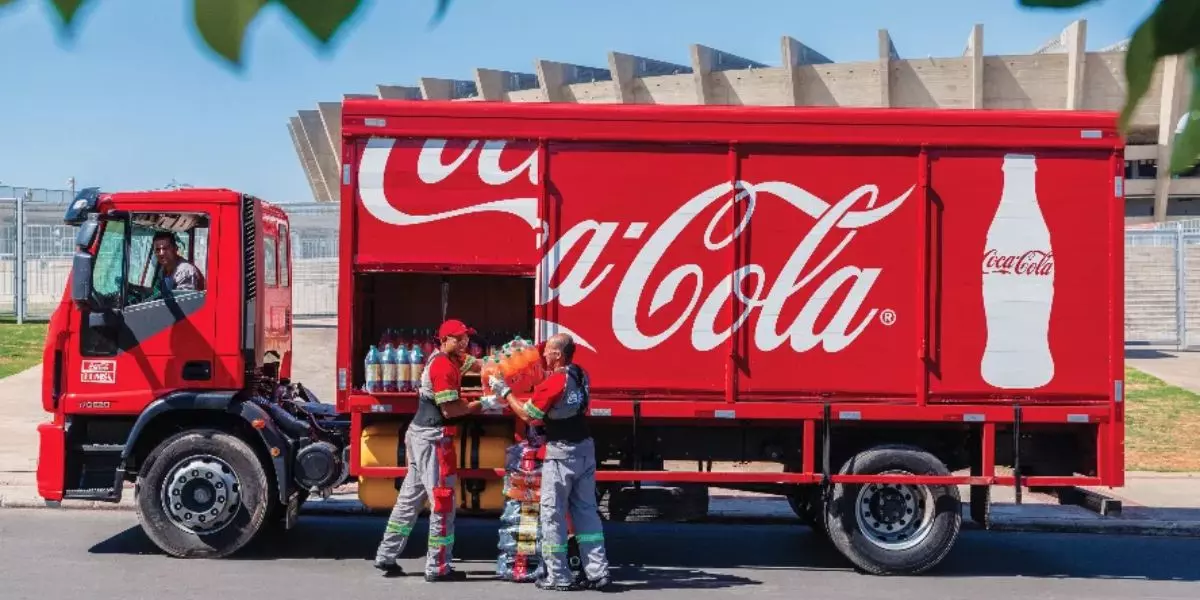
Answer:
(666, 556)
(1145, 353)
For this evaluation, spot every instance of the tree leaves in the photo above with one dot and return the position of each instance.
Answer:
(222, 24)
(1172, 29)
(322, 18)
(1055, 3)
(1187, 143)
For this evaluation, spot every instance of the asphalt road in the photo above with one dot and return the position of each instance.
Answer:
(69, 554)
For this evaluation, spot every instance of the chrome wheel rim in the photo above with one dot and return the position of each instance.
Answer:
(894, 516)
(201, 494)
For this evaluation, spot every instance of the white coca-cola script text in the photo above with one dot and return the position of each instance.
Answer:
(804, 270)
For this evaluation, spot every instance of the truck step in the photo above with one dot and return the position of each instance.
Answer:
(103, 494)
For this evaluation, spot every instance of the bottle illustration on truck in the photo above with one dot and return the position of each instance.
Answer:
(1018, 284)
(870, 301)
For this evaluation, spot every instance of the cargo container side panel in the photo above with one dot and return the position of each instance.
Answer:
(635, 266)
(461, 203)
(834, 239)
(1023, 305)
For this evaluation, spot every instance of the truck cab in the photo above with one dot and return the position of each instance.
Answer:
(176, 317)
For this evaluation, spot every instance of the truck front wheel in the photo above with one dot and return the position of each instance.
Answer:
(889, 528)
(204, 494)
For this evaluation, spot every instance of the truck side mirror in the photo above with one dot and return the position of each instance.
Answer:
(81, 263)
(86, 236)
(81, 279)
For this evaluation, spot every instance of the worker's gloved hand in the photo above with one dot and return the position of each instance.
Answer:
(498, 386)
(491, 404)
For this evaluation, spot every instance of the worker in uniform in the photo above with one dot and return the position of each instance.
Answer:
(558, 405)
(429, 449)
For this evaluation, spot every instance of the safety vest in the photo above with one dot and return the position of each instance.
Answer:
(566, 421)
(428, 413)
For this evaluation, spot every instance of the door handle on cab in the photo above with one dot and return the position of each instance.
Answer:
(197, 370)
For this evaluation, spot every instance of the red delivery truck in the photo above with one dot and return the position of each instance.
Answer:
(873, 306)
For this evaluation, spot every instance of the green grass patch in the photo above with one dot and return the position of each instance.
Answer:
(20, 346)
(1162, 425)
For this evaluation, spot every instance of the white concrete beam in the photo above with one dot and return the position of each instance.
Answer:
(331, 122)
(1171, 108)
(314, 132)
(626, 68)
(433, 88)
(399, 92)
(796, 55)
(554, 77)
(495, 85)
(1075, 37)
(706, 60)
(975, 53)
(887, 53)
(308, 162)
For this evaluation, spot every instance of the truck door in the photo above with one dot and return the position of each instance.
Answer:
(144, 337)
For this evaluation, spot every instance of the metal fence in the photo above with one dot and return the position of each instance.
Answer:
(1162, 285)
(36, 249)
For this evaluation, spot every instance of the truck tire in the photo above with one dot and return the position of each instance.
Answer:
(203, 494)
(894, 529)
(807, 506)
(676, 504)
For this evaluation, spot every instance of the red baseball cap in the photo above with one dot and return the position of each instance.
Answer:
(454, 327)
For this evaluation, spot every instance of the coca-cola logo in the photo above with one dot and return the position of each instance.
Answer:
(1038, 263)
(805, 269)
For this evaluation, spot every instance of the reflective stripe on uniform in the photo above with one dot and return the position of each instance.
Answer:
(589, 538)
(533, 411)
(467, 364)
(445, 396)
(440, 541)
(554, 548)
(399, 528)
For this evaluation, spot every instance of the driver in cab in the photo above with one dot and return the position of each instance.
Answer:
(177, 273)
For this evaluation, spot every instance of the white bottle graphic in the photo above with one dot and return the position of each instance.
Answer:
(1018, 284)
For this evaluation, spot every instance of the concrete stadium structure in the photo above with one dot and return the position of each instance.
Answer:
(1059, 75)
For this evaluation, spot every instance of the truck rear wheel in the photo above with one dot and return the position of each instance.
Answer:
(894, 529)
(205, 494)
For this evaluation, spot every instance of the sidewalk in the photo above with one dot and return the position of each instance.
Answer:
(1177, 368)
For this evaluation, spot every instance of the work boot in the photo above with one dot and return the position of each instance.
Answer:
(595, 584)
(560, 587)
(448, 576)
(390, 569)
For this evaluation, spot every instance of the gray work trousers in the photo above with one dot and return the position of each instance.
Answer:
(569, 488)
(422, 445)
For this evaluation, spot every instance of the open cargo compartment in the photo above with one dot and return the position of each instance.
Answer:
(413, 305)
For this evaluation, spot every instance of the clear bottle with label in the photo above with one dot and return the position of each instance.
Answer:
(372, 370)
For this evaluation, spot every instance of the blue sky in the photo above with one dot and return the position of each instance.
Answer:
(134, 100)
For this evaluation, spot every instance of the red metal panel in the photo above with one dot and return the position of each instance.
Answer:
(1114, 441)
(51, 459)
(711, 124)
(348, 310)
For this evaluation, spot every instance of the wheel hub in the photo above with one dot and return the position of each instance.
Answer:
(894, 516)
(201, 494)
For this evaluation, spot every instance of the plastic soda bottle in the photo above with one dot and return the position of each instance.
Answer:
(372, 370)
(416, 367)
(388, 369)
